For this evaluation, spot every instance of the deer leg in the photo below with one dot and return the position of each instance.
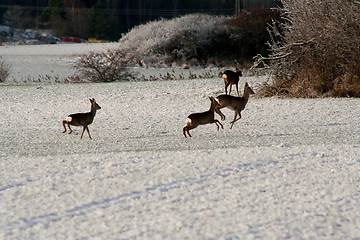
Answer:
(217, 122)
(69, 127)
(237, 89)
(217, 110)
(216, 125)
(232, 124)
(235, 120)
(226, 85)
(87, 129)
(184, 129)
(63, 123)
(188, 128)
(230, 89)
(82, 132)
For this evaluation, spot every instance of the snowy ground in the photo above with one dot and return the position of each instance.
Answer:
(289, 169)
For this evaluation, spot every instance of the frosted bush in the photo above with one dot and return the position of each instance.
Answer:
(153, 39)
(191, 40)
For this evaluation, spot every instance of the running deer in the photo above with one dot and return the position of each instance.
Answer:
(235, 103)
(196, 119)
(230, 78)
(82, 119)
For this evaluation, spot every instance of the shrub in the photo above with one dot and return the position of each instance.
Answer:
(243, 37)
(165, 41)
(107, 66)
(199, 39)
(195, 39)
(315, 51)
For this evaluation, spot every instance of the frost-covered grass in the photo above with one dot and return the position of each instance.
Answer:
(289, 169)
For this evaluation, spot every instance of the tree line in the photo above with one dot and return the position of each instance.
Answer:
(108, 19)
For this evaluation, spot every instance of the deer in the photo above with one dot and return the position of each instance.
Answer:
(230, 78)
(202, 118)
(82, 119)
(237, 104)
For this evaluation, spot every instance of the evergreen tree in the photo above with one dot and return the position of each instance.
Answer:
(55, 9)
(102, 20)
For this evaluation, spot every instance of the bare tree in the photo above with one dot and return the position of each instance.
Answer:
(314, 51)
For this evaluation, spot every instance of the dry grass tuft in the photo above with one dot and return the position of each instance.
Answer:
(4, 70)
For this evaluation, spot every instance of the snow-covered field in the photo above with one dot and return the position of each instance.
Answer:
(289, 169)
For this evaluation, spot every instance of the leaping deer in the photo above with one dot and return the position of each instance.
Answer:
(82, 119)
(235, 103)
(196, 119)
